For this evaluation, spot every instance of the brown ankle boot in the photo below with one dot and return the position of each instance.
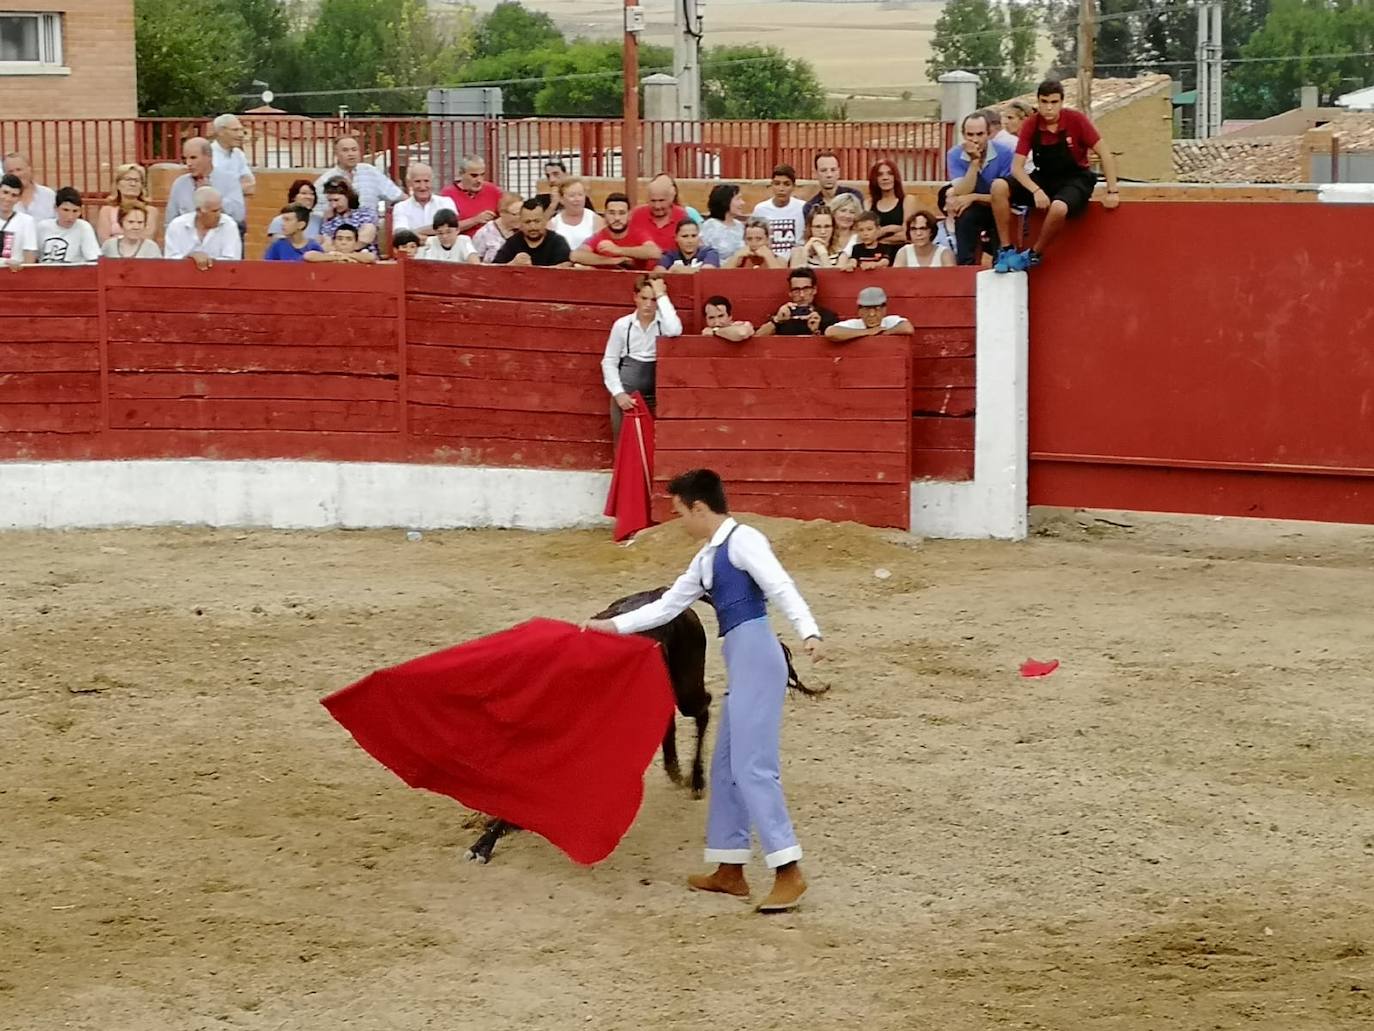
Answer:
(788, 887)
(727, 878)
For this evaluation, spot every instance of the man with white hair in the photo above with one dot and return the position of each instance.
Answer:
(205, 234)
(234, 176)
(369, 182)
(417, 212)
(476, 200)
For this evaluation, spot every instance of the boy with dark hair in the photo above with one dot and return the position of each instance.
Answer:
(293, 244)
(405, 244)
(67, 238)
(1059, 139)
(738, 571)
(784, 213)
(868, 253)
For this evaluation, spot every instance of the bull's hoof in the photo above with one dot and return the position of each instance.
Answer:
(476, 857)
(674, 773)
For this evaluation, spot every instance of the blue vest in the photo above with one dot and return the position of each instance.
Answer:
(734, 594)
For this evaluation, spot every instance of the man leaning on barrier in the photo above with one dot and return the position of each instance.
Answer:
(872, 320)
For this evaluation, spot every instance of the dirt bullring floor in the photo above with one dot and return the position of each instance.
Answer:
(1176, 830)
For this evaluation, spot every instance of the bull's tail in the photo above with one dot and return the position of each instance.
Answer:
(794, 682)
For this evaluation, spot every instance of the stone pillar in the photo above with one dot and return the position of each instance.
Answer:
(661, 128)
(958, 95)
(660, 98)
(1311, 97)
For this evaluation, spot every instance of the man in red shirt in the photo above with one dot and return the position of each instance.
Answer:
(477, 201)
(1060, 140)
(657, 220)
(618, 245)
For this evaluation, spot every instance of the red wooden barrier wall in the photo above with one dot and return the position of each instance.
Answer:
(1208, 358)
(735, 407)
(424, 362)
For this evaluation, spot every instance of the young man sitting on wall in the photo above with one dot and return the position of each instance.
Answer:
(1059, 139)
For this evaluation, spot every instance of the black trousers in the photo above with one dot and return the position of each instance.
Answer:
(968, 233)
(634, 375)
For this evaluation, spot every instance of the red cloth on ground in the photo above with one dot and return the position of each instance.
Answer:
(546, 725)
(632, 474)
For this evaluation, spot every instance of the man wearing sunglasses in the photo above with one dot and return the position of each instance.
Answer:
(799, 314)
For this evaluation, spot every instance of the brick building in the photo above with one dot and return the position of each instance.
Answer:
(68, 59)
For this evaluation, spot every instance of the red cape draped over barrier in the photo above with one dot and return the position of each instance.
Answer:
(546, 725)
(631, 479)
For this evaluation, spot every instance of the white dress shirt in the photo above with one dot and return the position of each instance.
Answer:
(750, 552)
(411, 214)
(183, 239)
(628, 339)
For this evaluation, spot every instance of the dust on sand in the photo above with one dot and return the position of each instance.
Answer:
(1175, 830)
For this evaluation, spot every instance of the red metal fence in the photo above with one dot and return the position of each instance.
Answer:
(84, 152)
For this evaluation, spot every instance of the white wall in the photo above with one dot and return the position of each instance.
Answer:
(294, 495)
(993, 504)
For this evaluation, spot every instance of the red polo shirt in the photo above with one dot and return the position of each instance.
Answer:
(470, 205)
(642, 223)
(632, 238)
(1077, 129)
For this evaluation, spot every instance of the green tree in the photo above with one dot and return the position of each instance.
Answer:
(585, 78)
(193, 56)
(1259, 88)
(521, 73)
(511, 26)
(994, 41)
(758, 82)
(383, 45)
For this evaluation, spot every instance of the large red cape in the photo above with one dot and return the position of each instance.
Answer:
(632, 476)
(546, 725)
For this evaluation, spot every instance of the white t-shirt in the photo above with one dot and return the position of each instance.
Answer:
(433, 250)
(575, 235)
(786, 224)
(889, 322)
(75, 245)
(18, 233)
(411, 214)
(43, 205)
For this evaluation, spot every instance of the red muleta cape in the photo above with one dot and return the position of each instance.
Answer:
(632, 475)
(546, 725)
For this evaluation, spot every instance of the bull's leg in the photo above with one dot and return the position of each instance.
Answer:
(670, 763)
(481, 849)
(698, 770)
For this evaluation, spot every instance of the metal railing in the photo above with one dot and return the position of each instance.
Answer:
(84, 152)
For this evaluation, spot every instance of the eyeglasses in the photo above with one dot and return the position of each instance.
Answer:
(800, 289)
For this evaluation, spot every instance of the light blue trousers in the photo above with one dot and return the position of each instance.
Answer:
(746, 784)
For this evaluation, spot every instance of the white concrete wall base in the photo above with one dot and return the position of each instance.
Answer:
(294, 495)
(994, 503)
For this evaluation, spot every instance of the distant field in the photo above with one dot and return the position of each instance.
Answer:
(878, 48)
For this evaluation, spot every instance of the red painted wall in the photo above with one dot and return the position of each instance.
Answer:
(491, 366)
(1207, 358)
(731, 407)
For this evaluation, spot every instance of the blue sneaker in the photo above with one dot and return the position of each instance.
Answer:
(1005, 257)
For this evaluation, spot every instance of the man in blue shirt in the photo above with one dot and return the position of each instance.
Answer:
(293, 244)
(974, 165)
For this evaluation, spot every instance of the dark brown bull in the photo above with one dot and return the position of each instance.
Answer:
(683, 644)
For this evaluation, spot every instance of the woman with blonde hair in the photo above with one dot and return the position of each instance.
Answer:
(819, 250)
(130, 188)
(846, 209)
(575, 221)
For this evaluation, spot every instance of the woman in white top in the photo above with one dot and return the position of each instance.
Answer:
(922, 251)
(723, 231)
(575, 222)
(131, 239)
(845, 209)
(819, 251)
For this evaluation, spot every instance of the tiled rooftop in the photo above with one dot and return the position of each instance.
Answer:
(1109, 94)
(1253, 159)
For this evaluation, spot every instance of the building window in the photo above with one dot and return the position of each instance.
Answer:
(30, 41)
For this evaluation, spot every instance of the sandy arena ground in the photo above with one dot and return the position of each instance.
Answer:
(1175, 831)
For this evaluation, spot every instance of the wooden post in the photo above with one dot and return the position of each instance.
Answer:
(1087, 38)
(629, 134)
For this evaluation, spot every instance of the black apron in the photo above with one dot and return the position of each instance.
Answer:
(635, 375)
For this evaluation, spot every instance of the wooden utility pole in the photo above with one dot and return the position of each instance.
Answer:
(1087, 39)
(629, 132)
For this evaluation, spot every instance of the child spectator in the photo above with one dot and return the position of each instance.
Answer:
(67, 239)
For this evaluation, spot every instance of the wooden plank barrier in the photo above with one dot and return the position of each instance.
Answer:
(797, 426)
